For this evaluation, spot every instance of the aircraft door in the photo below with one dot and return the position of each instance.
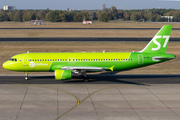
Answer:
(25, 60)
(140, 59)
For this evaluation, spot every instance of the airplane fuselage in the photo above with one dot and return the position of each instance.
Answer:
(45, 62)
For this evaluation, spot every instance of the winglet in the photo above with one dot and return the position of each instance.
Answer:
(111, 68)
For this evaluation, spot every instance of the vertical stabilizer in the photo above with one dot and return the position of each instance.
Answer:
(159, 42)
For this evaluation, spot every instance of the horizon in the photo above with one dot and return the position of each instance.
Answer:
(92, 5)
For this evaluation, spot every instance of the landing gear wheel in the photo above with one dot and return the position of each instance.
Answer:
(26, 78)
(86, 80)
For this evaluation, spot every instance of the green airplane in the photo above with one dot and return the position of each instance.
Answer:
(67, 65)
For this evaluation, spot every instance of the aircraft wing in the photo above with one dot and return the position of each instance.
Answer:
(83, 68)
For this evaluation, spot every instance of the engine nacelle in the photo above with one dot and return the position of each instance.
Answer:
(63, 74)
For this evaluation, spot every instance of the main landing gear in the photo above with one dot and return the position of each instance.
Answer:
(85, 78)
(26, 77)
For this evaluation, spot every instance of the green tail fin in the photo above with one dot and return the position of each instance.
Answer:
(160, 41)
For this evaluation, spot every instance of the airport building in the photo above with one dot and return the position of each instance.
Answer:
(8, 7)
(104, 6)
(167, 17)
(69, 9)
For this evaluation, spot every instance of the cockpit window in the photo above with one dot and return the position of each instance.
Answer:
(13, 59)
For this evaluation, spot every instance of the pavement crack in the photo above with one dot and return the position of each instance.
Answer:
(128, 103)
(162, 101)
(22, 103)
(57, 102)
(93, 104)
(79, 102)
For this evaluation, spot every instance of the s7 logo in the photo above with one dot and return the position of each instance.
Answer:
(158, 44)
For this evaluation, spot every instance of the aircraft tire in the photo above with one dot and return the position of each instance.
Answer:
(85, 79)
(26, 78)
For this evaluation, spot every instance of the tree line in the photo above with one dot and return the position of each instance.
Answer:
(104, 15)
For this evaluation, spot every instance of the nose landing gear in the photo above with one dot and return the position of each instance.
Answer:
(26, 77)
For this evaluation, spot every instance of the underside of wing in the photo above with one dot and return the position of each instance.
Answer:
(83, 68)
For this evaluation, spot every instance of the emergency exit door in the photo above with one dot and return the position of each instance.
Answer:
(25, 60)
(140, 59)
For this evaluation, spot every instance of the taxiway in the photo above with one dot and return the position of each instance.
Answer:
(105, 97)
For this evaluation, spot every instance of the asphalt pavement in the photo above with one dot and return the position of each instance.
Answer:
(81, 39)
(104, 97)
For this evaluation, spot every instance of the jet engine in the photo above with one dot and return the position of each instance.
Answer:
(63, 74)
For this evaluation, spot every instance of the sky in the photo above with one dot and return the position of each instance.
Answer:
(91, 4)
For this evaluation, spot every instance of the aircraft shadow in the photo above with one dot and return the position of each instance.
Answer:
(96, 79)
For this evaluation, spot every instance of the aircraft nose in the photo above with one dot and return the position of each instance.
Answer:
(5, 65)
